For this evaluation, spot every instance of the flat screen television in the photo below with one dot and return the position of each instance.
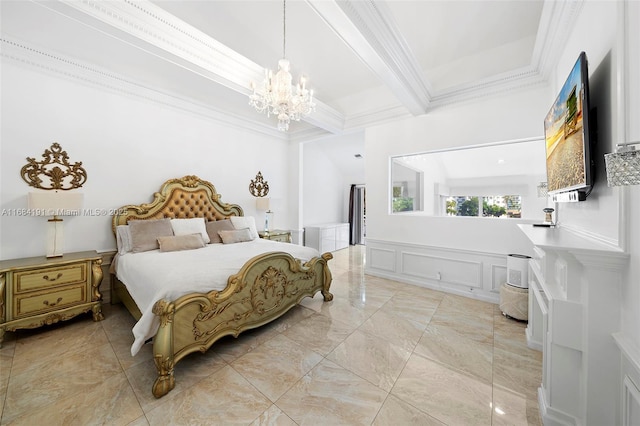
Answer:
(570, 170)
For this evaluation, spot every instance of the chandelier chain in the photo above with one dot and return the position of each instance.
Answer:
(276, 95)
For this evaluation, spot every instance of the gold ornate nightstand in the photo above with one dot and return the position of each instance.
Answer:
(40, 291)
(276, 235)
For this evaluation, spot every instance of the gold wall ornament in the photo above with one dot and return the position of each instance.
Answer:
(54, 171)
(259, 187)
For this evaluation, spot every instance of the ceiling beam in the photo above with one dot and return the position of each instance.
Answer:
(154, 30)
(369, 29)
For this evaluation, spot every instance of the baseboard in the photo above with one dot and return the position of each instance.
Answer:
(551, 417)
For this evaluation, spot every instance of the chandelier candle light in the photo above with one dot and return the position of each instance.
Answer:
(276, 94)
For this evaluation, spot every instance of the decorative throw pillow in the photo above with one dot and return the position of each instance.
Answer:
(242, 222)
(145, 233)
(235, 236)
(181, 242)
(218, 225)
(194, 225)
(123, 239)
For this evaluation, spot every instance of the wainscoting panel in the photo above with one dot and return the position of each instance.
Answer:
(468, 273)
(384, 259)
(450, 270)
(498, 276)
(629, 379)
(630, 403)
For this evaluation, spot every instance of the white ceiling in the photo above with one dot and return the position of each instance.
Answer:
(367, 61)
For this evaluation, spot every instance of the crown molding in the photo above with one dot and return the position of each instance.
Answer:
(513, 80)
(152, 29)
(61, 66)
(374, 117)
(556, 23)
(366, 26)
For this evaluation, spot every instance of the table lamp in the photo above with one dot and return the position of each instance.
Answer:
(56, 204)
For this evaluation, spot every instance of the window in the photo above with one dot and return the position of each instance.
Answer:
(506, 206)
(407, 189)
(492, 180)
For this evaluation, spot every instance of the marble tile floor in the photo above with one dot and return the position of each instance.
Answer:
(381, 353)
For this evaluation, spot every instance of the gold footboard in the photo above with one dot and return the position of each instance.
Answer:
(264, 289)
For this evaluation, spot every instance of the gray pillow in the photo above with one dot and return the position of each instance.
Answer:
(218, 225)
(145, 233)
(236, 236)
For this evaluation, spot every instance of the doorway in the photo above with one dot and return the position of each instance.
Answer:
(357, 215)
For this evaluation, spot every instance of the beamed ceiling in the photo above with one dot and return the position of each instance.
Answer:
(367, 61)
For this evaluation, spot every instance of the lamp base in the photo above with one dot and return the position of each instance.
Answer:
(55, 237)
(268, 216)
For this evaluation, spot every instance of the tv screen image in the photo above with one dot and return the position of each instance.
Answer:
(567, 134)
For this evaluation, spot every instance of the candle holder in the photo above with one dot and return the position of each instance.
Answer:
(548, 218)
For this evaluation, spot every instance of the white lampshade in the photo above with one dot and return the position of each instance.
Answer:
(55, 203)
(262, 203)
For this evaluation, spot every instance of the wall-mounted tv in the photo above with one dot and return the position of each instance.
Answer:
(570, 171)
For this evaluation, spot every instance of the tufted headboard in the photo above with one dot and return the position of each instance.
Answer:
(181, 198)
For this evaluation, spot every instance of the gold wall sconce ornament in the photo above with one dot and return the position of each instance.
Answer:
(54, 172)
(258, 186)
(53, 176)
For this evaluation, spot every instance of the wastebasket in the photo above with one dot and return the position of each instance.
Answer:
(514, 294)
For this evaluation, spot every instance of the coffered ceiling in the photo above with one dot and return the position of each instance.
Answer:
(367, 61)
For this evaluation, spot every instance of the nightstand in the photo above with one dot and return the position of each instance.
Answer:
(40, 291)
(276, 235)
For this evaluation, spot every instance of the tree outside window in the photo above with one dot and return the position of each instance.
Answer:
(486, 206)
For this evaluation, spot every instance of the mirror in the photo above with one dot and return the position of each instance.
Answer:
(500, 180)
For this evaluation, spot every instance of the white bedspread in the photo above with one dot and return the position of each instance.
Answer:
(151, 276)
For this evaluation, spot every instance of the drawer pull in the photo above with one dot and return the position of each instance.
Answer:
(46, 277)
(46, 302)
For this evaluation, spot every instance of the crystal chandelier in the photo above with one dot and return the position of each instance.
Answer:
(276, 96)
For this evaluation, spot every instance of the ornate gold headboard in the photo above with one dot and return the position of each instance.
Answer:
(181, 198)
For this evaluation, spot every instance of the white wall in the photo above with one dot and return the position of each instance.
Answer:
(327, 180)
(611, 213)
(128, 147)
(630, 321)
(323, 199)
(515, 115)
(595, 34)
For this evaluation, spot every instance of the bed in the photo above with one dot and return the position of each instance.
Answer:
(189, 314)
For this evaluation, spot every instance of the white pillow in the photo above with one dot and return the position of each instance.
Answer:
(194, 225)
(123, 239)
(241, 222)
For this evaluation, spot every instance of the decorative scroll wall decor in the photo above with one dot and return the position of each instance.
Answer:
(259, 187)
(54, 171)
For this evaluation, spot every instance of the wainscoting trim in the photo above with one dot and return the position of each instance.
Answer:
(464, 272)
(629, 379)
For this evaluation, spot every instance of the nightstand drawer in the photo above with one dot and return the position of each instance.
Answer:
(276, 235)
(49, 277)
(35, 303)
(284, 238)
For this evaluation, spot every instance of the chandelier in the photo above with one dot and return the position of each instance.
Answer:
(276, 95)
